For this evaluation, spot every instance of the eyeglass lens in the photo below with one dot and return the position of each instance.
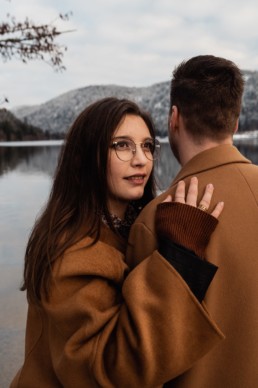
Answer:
(126, 148)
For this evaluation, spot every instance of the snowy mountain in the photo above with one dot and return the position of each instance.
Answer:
(56, 115)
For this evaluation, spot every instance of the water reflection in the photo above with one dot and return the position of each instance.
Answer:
(25, 181)
(43, 160)
(250, 151)
(29, 159)
(166, 167)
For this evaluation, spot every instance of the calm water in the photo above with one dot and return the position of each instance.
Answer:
(25, 180)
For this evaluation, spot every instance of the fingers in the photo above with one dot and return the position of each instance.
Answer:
(180, 192)
(218, 209)
(191, 198)
(168, 199)
(206, 199)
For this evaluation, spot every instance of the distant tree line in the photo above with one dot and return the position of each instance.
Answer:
(13, 129)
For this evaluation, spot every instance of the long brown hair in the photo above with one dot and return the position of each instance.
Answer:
(79, 191)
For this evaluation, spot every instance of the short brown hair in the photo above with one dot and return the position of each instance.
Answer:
(207, 91)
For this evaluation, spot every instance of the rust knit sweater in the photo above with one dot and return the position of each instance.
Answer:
(183, 233)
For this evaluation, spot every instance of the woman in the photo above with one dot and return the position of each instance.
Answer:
(89, 320)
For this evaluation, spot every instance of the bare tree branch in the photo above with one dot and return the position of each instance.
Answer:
(27, 41)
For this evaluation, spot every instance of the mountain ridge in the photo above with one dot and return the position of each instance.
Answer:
(15, 129)
(57, 114)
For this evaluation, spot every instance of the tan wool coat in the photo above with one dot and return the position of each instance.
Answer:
(232, 296)
(104, 326)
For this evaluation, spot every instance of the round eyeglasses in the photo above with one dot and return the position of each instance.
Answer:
(126, 148)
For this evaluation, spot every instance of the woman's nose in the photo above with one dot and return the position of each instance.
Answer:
(139, 156)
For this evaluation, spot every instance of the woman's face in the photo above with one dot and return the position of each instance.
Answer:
(127, 179)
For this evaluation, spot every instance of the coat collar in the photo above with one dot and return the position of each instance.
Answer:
(111, 238)
(209, 159)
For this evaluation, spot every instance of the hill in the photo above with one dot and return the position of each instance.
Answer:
(13, 129)
(56, 115)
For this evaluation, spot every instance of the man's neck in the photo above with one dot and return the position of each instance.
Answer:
(191, 149)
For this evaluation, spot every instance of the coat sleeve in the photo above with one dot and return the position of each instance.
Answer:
(115, 329)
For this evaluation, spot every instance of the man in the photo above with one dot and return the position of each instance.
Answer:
(206, 93)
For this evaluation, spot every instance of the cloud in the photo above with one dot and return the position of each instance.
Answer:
(134, 43)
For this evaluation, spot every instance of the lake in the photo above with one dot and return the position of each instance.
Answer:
(26, 171)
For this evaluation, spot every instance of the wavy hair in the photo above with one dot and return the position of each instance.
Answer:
(79, 192)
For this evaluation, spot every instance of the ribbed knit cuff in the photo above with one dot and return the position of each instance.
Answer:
(185, 225)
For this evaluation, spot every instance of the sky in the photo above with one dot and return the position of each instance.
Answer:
(127, 42)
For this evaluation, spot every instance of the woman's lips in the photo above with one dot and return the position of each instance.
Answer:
(136, 179)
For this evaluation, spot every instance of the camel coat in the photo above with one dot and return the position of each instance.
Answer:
(104, 326)
(232, 296)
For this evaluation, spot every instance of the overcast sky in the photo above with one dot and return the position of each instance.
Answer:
(128, 42)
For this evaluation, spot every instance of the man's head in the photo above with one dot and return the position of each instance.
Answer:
(206, 92)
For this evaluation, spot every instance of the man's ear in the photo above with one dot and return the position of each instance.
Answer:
(236, 126)
(173, 120)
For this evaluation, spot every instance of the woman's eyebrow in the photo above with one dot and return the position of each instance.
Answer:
(129, 137)
(122, 137)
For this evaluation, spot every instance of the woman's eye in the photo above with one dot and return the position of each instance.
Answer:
(123, 145)
(148, 146)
